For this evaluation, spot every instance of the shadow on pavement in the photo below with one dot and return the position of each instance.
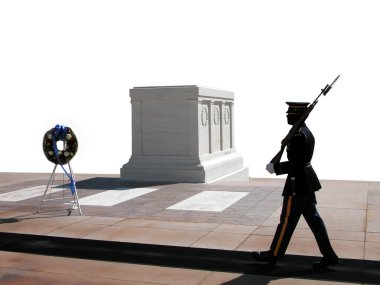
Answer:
(291, 266)
(108, 183)
(8, 220)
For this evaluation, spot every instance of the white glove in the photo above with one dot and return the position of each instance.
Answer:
(270, 168)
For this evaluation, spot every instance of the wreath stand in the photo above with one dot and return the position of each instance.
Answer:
(48, 192)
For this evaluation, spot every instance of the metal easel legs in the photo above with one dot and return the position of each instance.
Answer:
(75, 205)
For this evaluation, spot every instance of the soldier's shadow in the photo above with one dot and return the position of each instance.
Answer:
(258, 279)
(263, 274)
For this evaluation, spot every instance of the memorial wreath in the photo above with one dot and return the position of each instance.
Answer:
(70, 144)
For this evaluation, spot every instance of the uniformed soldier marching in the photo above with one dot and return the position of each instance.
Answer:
(299, 195)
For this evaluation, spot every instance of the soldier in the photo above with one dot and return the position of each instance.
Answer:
(299, 196)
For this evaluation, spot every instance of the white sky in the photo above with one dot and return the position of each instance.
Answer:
(73, 63)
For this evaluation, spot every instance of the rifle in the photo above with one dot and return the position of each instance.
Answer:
(300, 121)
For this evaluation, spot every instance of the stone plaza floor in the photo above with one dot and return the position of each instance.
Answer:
(134, 233)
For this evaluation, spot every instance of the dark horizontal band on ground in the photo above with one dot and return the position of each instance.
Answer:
(349, 270)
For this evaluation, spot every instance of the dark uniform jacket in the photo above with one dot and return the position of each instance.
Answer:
(302, 178)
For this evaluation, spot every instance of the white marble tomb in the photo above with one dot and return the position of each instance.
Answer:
(183, 134)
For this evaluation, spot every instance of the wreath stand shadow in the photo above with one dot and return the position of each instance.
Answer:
(54, 192)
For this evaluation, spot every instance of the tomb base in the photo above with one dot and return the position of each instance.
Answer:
(225, 167)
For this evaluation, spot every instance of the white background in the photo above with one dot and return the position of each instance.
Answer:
(73, 63)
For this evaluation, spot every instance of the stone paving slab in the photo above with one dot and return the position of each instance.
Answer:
(349, 208)
(344, 205)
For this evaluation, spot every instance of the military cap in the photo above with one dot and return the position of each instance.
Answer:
(297, 107)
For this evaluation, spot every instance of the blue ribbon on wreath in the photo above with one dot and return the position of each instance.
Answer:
(59, 133)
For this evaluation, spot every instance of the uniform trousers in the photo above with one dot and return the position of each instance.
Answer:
(293, 207)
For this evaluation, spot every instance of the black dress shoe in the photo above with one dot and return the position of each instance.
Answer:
(264, 256)
(325, 262)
